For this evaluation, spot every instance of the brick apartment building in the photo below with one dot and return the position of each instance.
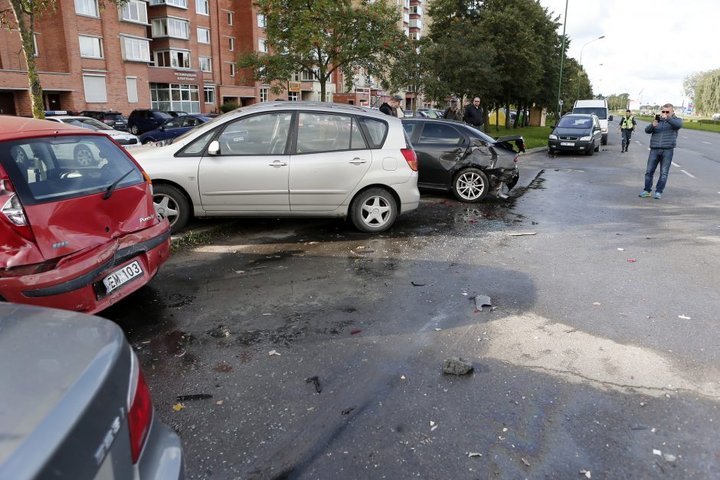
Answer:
(165, 54)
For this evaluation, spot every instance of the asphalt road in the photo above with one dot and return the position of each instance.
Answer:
(319, 350)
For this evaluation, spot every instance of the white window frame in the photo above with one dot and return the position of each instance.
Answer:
(232, 68)
(204, 62)
(209, 94)
(91, 82)
(293, 96)
(135, 49)
(230, 17)
(87, 8)
(172, 27)
(134, 11)
(231, 44)
(264, 94)
(261, 21)
(202, 7)
(203, 35)
(132, 91)
(36, 51)
(172, 3)
(262, 45)
(175, 59)
(93, 47)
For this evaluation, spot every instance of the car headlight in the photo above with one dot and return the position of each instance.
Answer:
(162, 143)
(585, 139)
(552, 136)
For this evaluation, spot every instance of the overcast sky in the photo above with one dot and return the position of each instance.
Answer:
(650, 46)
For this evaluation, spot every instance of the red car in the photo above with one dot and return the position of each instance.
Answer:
(78, 229)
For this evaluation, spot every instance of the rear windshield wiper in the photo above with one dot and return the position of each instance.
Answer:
(111, 188)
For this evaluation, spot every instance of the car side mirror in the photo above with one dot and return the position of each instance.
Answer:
(214, 148)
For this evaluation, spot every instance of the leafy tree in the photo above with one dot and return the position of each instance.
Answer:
(323, 37)
(707, 92)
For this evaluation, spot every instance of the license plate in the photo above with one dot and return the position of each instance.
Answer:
(567, 144)
(122, 275)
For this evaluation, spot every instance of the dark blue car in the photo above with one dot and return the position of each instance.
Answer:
(173, 127)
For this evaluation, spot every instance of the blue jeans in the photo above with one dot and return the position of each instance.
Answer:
(662, 157)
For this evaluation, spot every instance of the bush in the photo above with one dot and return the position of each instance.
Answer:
(228, 106)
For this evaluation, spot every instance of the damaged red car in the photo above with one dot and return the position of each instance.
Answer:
(78, 229)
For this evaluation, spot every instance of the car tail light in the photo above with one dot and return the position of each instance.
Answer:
(140, 409)
(11, 207)
(410, 158)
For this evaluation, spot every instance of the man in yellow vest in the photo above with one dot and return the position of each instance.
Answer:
(627, 125)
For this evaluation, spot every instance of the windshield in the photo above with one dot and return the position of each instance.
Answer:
(88, 122)
(601, 112)
(575, 122)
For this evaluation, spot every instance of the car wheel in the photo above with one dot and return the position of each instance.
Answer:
(134, 130)
(590, 150)
(470, 185)
(373, 210)
(603, 140)
(597, 148)
(172, 204)
(83, 156)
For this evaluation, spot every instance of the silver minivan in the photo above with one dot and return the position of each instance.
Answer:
(285, 159)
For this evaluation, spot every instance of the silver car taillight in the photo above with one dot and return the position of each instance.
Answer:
(14, 212)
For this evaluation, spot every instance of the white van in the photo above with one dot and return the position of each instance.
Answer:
(599, 108)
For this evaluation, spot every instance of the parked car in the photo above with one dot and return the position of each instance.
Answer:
(74, 403)
(173, 127)
(176, 113)
(111, 118)
(76, 235)
(123, 138)
(576, 132)
(716, 116)
(144, 119)
(284, 159)
(456, 157)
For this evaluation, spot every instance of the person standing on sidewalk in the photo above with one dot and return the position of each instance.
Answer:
(454, 112)
(627, 126)
(474, 114)
(663, 139)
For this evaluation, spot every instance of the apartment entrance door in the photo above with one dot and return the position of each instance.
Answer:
(7, 103)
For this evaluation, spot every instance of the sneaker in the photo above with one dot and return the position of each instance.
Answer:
(644, 194)
(657, 195)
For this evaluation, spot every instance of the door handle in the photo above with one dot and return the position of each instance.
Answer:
(358, 161)
(278, 163)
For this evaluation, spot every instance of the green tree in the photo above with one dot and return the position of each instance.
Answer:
(707, 92)
(322, 37)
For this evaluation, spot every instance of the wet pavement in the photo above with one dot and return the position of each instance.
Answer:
(304, 349)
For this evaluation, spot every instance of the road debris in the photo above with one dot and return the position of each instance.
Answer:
(632, 260)
(178, 406)
(220, 331)
(482, 301)
(194, 396)
(586, 473)
(474, 454)
(355, 331)
(315, 380)
(657, 452)
(669, 457)
(597, 304)
(620, 249)
(527, 464)
(684, 317)
(457, 366)
(520, 234)
(417, 284)
(347, 411)
(274, 352)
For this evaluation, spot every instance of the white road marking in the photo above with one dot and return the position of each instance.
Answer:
(675, 165)
(706, 143)
(688, 174)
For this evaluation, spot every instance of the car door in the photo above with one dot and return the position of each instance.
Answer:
(330, 159)
(250, 171)
(439, 147)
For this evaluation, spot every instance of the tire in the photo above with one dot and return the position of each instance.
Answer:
(83, 156)
(597, 148)
(590, 150)
(172, 204)
(603, 140)
(134, 130)
(470, 185)
(373, 210)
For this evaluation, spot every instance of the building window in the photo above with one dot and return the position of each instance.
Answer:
(174, 3)
(172, 59)
(293, 96)
(90, 47)
(262, 45)
(132, 92)
(87, 7)
(209, 92)
(134, 11)
(232, 69)
(205, 64)
(135, 49)
(309, 75)
(203, 35)
(173, 96)
(36, 51)
(95, 90)
(230, 18)
(202, 7)
(231, 44)
(264, 91)
(261, 20)
(171, 27)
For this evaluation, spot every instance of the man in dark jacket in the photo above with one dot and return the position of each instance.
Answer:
(391, 108)
(663, 139)
(454, 112)
(474, 114)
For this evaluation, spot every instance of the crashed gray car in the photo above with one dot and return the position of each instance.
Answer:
(74, 403)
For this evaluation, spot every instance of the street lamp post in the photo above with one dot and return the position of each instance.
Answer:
(562, 59)
(580, 61)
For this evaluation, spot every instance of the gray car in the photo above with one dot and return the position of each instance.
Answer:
(74, 403)
(287, 159)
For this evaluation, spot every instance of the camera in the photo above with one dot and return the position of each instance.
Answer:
(657, 117)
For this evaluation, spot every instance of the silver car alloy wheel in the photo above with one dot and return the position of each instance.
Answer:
(471, 185)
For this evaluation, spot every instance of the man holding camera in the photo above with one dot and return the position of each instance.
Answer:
(663, 139)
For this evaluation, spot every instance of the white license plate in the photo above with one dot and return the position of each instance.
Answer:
(567, 144)
(122, 275)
